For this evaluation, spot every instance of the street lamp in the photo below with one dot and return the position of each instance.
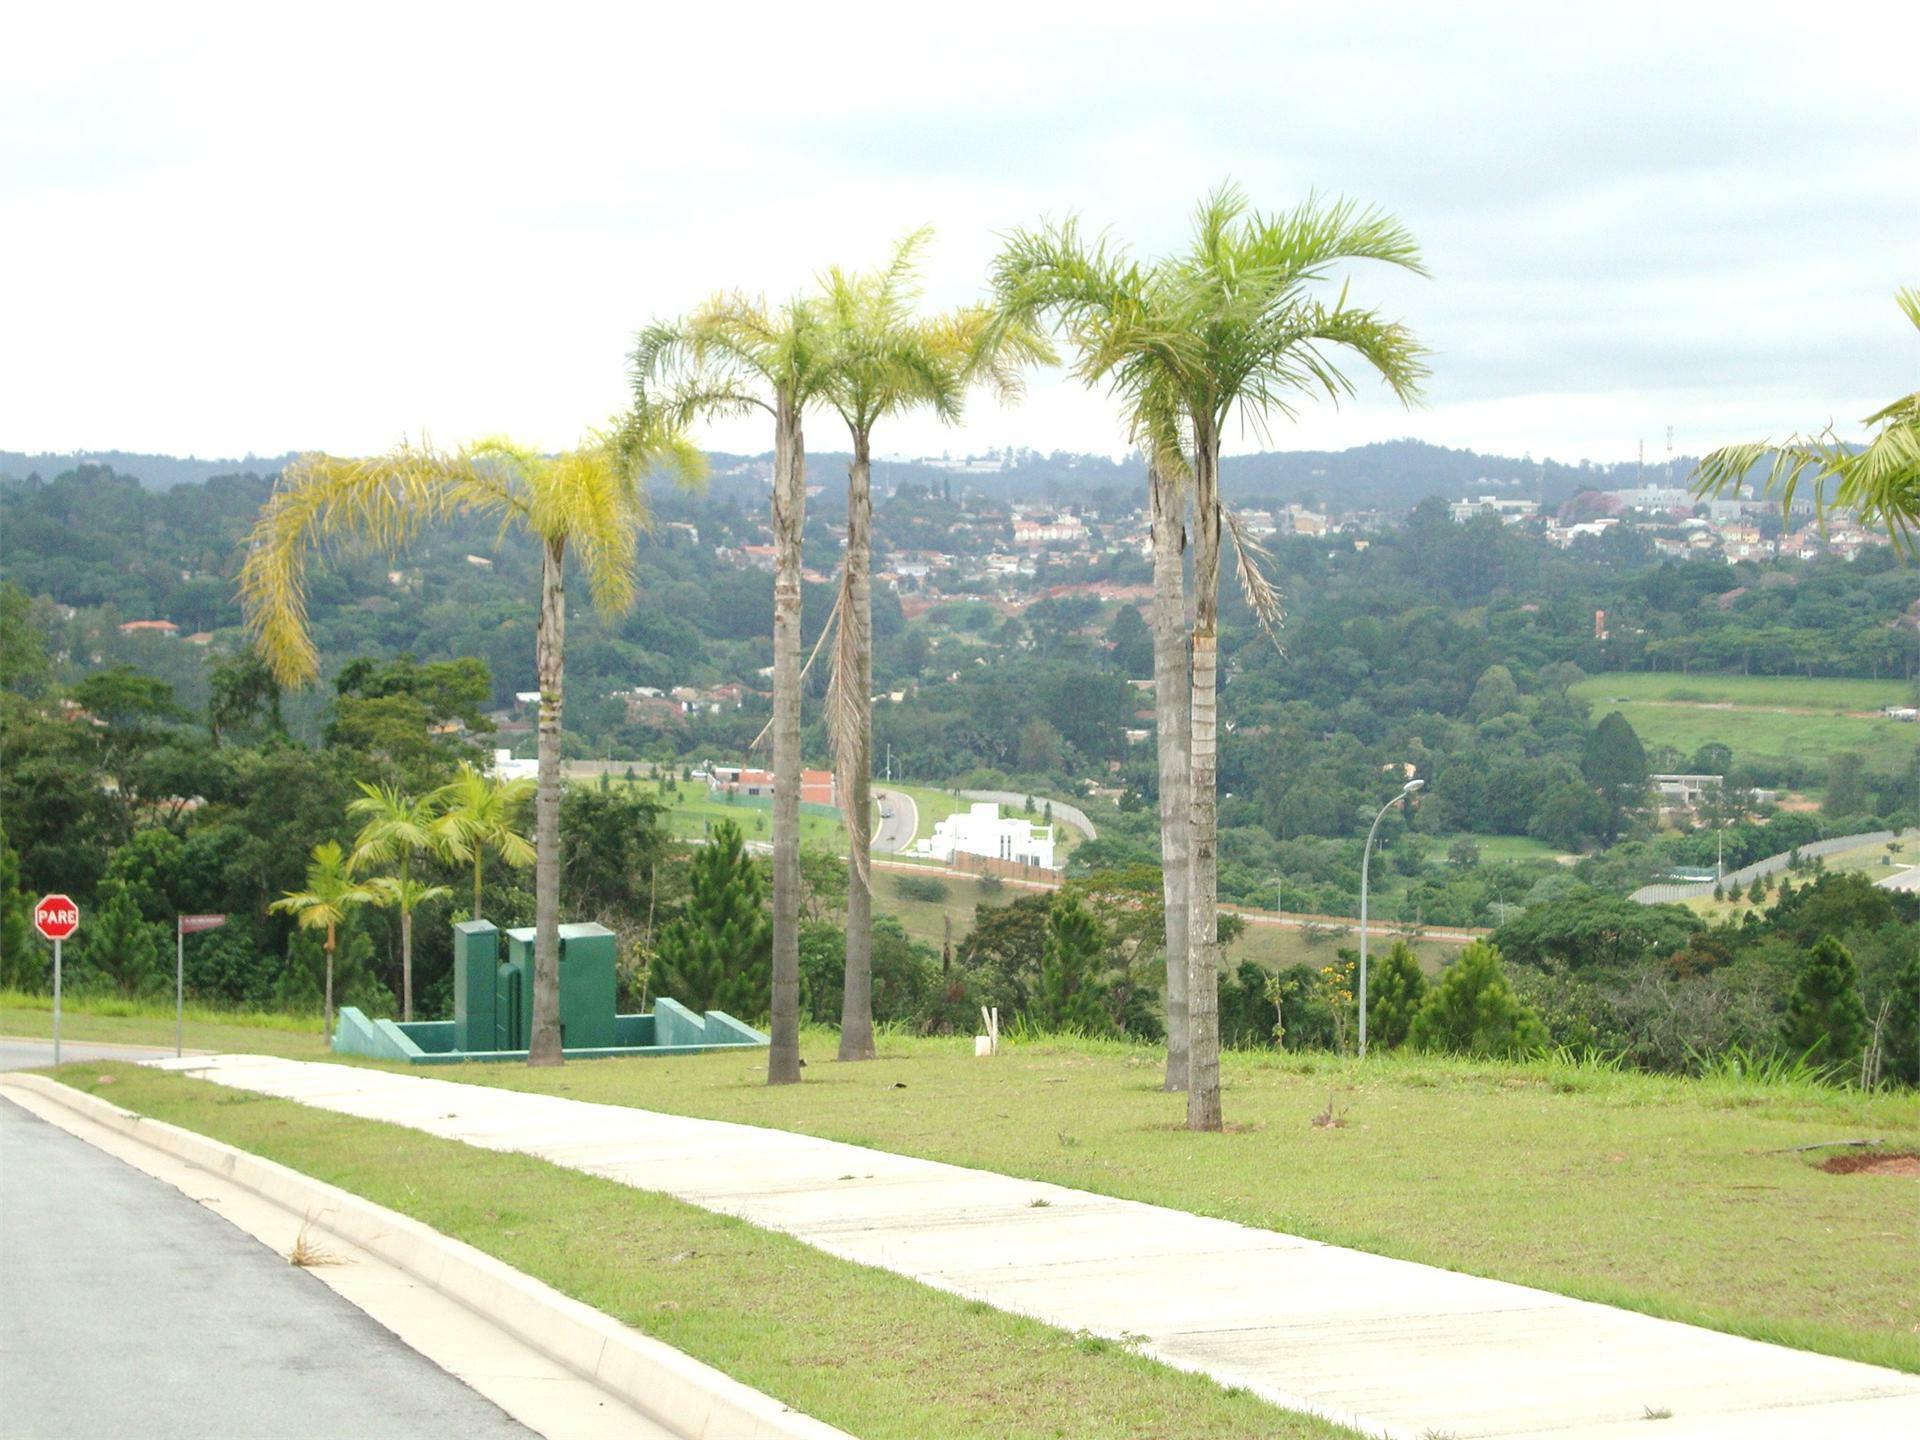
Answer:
(1366, 862)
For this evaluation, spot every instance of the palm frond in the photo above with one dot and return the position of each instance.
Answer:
(1250, 557)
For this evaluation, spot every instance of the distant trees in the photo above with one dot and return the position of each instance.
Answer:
(1615, 763)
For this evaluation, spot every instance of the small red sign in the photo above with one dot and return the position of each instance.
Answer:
(56, 917)
(190, 923)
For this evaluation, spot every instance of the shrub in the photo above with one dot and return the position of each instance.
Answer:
(930, 888)
(1473, 1010)
(1825, 1019)
(1396, 989)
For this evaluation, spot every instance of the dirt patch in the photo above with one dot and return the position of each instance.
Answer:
(1874, 1162)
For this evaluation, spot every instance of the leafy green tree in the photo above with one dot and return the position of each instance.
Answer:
(1473, 1010)
(1569, 815)
(1825, 1018)
(118, 946)
(1846, 785)
(588, 499)
(1132, 643)
(1900, 1033)
(242, 687)
(1880, 480)
(1494, 694)
(717, 954)
(1616, 764)
(1395, 992)
(328, 900)
(1069, 998)
(22, 958)
(24, 666)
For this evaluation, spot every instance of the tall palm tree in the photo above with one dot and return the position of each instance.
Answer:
(479, 814)
(1230, 326)
(588, 500)
(1100, 301)
(731, 357)
(1880, 480)
(882, 359)
(396, 827)
(330, 897)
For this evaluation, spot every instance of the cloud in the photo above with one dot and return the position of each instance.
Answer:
(255, 228)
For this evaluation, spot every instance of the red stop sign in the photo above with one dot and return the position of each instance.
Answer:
(56, 917)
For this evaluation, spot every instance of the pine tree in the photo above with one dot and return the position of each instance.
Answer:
(1900, 1038)
(1616, 763)
(1473, 1010)
(118, 946)
(1757, 891)
(1826, 1020)
(1395, 992)
(718, 953)
(1070, 995)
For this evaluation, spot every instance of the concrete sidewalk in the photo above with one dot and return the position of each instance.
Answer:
(1386, 1345)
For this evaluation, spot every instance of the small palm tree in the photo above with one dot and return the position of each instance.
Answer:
(1232, 326)
(396, 828)
(479, 814)
(1881, 480)
(587, 500)
(330, 897)
(731, 357)
(883, 359)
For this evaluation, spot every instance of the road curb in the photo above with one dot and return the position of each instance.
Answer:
(683, 1394)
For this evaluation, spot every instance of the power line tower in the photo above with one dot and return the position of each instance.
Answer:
(1669, 457)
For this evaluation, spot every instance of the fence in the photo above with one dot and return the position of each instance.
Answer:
(1746, 875)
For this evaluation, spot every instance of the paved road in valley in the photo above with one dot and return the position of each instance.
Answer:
(126, 1309)
(894, 832)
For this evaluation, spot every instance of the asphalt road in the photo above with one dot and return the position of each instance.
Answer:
(893, 835)
(126, 1309)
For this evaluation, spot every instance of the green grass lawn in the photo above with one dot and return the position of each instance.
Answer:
(1650, 1192)
(113, 1021)
(1761, 717)
(871, 1352)
(1661, 1194)
(1497, 849)
(691, 813)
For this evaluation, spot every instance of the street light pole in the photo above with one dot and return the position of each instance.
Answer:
(1366, 865)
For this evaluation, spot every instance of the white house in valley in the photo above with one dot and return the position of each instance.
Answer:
(980, 830)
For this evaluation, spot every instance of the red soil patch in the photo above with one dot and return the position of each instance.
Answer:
(1870, 1162)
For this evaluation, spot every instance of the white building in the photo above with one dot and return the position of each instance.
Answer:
(505, 767)
(979, 830)
(1509, 511)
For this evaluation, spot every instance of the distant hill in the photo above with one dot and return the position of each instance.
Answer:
(1392, 475)
(154, 472)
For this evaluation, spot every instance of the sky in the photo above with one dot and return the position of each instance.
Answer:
(250, 229)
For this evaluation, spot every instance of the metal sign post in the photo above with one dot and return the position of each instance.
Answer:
(56, 917)
(183, 924)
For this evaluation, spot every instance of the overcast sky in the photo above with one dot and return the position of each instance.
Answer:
(276, 227)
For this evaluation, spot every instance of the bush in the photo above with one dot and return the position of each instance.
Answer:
(1825, 1019)
(1396, 989)
(929, 888)
(1473, 1010)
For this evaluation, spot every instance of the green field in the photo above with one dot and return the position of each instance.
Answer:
(1764, 718)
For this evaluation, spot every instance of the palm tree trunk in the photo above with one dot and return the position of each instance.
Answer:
(326, 1039)
(476, 878)
(1203, 984)
(789, 515)
(856, 1007)
(1171, 699)
(406, 963)
(550, 660)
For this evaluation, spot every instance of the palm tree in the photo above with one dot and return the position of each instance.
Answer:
(883, 359)
(1100, 301)
(479, 813)
(329, 898)
(1880, 480)
(588, 499)
(398, 827)
(1230, 325)
(733, 356)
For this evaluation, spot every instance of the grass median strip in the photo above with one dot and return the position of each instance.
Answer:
(873, 1353)
(1668, 1195)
